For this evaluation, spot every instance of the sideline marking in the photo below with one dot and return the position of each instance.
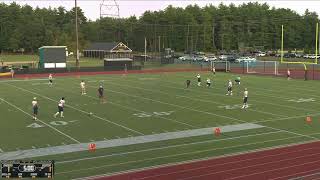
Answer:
(125, 141)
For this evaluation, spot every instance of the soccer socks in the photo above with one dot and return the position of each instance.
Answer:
(61, 114)
(56, 114)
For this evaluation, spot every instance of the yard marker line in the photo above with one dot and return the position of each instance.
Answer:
(91, 140)
(129, 129)
(73, 139)
(33, 147)
(1, 151)
(213, 102)
(292, 107)
(168, 147)
(162, 157)
(193, 160)
(235, 119)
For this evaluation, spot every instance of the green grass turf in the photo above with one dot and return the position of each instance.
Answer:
(127, 96)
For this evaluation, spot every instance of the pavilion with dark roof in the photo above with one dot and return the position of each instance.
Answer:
(110, 50)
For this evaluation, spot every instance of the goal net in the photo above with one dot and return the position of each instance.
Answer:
(220, 65)
(262, 67)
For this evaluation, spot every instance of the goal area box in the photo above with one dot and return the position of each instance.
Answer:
(118, 64)
(52, 57)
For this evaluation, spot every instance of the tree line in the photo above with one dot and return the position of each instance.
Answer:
(250, 26)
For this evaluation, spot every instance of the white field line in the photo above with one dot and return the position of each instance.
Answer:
(175, 155)
(133, 109)
(23, 80)
(252, 100)
(253, 166)
(194, 160)
(201, 100)
(205, 112)
(1, 151)
(66, 135)
(167, 147)
(103, 119)
(235, 162)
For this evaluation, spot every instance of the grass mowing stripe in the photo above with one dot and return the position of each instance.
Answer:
(235, 119)
(201, 100)
(22, 80)
(73, 139)
(167, 147)
(178, 154)
(111, 122)
(130, 108)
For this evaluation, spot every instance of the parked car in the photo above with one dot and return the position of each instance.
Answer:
(245, 59)
(289, 55)
(223, 57)
(261, 54)
(212, 58)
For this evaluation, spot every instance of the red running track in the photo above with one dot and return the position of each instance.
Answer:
(276, 164)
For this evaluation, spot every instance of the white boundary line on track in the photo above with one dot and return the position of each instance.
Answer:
(73, 139)
(111, 122)
(301, 177)
(202, 100)
(196, 160)
(226, 163)
(255, 165)
(175, 155)
(205, 112)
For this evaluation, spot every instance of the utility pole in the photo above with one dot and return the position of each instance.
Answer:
(159, 43)
(188, 39)
(77, 36)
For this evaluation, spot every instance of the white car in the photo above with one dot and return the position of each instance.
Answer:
(184, 58)
(261, 54)
(245, 59)
(212, 58)
(223, 57)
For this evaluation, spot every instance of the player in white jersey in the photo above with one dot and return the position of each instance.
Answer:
(199, 79)
(35, 108)
(50, 79)
(208, 82)
(229, 89)
(245, 99)
(60, 108)
(288, 74)
(83, 87)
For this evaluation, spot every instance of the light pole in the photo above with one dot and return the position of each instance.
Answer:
(77, 40)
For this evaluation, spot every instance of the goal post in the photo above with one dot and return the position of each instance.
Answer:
(220, 65)
(262, 67)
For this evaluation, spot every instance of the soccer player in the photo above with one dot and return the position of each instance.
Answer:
(188, 82)
(50, 79)
(83, 87)
(213, 70)
(245, 99)
(35, 108)
(199, 79)
(100, 94)
(60, 108)
(229, 90)
(288, 74)
(237, 80)
(12, 72)
(208, 82)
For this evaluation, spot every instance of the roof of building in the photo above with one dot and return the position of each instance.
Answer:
(108, 46)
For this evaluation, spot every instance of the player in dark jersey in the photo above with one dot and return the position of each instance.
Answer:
(188, 82)
(101, 94)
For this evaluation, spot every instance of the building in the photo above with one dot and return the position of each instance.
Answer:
(109, 50)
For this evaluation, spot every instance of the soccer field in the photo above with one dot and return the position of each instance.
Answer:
(151, 120)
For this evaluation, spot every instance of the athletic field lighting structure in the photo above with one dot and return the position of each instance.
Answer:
(77, 36)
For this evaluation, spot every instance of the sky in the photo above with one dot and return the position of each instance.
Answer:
(129, 8)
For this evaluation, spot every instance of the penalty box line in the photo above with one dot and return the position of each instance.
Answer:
(111, 122)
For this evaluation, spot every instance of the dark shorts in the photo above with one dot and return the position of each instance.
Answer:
(60, 109)
(35, 110)
(288, 75)
(100, 95)
(199, 79)
(229, 88)
(245, 100)
(208, 84)
(50, 81)
(237, 80)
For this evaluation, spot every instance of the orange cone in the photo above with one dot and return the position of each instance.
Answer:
(308, 119)
(92, 147)
(217, 131)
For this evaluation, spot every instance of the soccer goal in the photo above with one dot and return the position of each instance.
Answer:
(262, 67)
(220, 65)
